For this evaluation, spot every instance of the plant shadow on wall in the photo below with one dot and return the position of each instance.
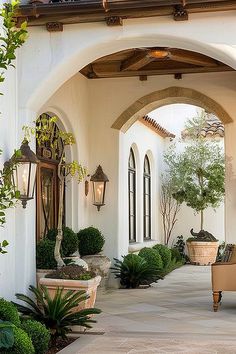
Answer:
(197, 176)
(11, 39)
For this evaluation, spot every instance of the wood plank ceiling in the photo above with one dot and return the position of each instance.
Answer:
(144, 62)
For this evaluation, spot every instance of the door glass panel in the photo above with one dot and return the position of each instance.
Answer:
(47, 201)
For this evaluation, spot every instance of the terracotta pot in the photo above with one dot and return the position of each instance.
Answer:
(90, 286)
(100, 265)
(40, 273)
(202, 253)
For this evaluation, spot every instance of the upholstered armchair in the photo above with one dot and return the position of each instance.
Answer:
(223, 276)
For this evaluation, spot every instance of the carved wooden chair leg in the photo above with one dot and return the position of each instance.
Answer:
(216, 300)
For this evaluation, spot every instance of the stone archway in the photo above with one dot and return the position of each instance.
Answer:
(165, 97)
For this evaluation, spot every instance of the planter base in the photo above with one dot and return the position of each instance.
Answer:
(202, 253)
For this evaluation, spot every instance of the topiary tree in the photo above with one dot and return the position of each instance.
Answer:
(11, 38)
(69, 242)
(165, 254)
(39, 335)
(91, 241)
(152, 257)
(198, 171)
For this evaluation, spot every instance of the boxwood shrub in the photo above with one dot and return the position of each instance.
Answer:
(8, 312)
(152, 257)
(175, 254)
(45, 254)
(69, 242)
(39, 335)
(165, 254)
(91, 241)
(22, 343)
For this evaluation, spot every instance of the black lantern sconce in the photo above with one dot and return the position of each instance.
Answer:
(99, 180)
(24, 174)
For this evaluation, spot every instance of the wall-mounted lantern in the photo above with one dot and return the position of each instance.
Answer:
(99, 180)
(24, 174)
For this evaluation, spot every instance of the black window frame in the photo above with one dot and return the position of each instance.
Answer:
(147, 193)
(132, 193)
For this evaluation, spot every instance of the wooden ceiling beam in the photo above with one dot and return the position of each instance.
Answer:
(141, 59)
(191, 58)
(109, 71)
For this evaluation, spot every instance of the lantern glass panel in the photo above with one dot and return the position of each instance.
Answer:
(21, 178)
(33, 170)
(98, 192)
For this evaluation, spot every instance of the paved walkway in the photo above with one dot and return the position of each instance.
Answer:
(173, 316)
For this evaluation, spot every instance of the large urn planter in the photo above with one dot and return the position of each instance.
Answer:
(41, 273)
(202, 253)
(100, 265)
(90, 286)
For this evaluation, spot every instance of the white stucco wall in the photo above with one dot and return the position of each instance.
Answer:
(90, 107)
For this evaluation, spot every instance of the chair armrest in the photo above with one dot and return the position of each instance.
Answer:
(223, 276)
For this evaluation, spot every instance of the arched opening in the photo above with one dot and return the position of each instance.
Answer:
(171, 95)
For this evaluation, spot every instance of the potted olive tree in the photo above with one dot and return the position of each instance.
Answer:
(198, 174)
(76, 280)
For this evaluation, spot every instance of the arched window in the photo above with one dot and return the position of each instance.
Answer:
(146, 199)
(49, 153)
(132, 197)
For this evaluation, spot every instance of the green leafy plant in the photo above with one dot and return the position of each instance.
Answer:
(11, 39)
(45, 254)
(69, 242)
(134, 271)
(74, 272)
(57, 312)
(152, 257)
(176, 255)
(91, 241)
(39, 335)
(165, 254)
(198, 171)
(42, 130)
(22, 343)
(6, 334)
(8, 312)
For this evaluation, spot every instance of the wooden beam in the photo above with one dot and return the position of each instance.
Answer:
(141, 59)
(109, 71)
(191, 58)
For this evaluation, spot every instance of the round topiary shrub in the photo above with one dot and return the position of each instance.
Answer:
(22, 343)
(165, 254)
(91, 241)
(69, 243)
(45, 254)
(39, 335)
(175, 254)
(9, 312)
(152, 257)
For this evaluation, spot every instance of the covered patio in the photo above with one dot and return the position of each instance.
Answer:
(173, 316)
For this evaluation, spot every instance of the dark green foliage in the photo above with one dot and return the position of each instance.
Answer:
(180, 245)
(69, 243)
(165, 254)
(73, 271)
(6, 335)
(8, 312)
(172, 266)
(152, 257)
(175, 255)
(91, 241)
(134, 270)
(57, 312)
(39, 335)
(45, 254)
(22, 343)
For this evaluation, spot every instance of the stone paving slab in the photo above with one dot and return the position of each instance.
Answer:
(173, 316)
